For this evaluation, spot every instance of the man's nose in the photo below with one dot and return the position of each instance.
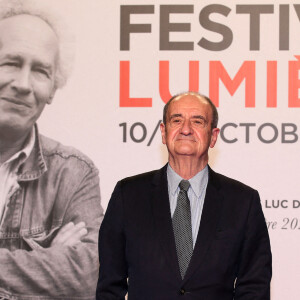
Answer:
(21, 82)
(186, 127)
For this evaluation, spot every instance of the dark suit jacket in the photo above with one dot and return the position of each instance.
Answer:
(231, 258)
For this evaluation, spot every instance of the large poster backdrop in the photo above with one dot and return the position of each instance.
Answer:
(245, 55)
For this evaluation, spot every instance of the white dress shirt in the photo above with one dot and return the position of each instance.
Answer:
(8, 172)
(196, 195)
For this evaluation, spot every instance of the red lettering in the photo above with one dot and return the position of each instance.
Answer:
(246, 71)
(164, 79)
(125, 100)
(272, 84)
(294, 82)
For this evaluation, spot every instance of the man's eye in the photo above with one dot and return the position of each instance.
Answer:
(10, 64)
(176, 121)
(42, 72)
(198, 122)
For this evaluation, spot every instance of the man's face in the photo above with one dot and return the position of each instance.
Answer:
(28, 56)
(188, 129)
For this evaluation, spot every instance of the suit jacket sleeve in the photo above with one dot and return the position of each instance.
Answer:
(255, 267)
(112, 282)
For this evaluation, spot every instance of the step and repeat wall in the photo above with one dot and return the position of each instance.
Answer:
(131, 56)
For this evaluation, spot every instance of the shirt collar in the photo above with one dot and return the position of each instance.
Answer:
(197, 182)
(23, 154)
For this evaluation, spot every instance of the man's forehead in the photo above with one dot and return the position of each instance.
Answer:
(26, 34)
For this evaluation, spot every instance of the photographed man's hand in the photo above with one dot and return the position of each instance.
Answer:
(70, 234)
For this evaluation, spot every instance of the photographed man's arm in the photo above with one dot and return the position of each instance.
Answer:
(255, 268)
(69, 267)
(112, 283)
(70, 234)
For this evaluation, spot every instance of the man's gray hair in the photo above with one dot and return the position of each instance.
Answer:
(44, 10)
(215, 116)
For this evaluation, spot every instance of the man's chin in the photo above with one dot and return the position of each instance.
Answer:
(14, 125)
(185, 150)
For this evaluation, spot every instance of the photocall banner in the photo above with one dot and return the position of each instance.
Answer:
(132, 56)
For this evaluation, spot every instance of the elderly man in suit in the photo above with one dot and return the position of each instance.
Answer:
(184, 230)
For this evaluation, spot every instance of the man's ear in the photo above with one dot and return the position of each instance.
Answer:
(163, 133)
(214, 137)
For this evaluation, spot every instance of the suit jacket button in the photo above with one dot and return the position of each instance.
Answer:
(182, 291)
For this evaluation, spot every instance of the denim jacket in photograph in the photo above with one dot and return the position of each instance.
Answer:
(56, 185)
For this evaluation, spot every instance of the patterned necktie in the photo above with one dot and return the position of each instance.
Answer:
(182, 228)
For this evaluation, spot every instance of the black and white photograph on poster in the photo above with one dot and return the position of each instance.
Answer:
(50, 209)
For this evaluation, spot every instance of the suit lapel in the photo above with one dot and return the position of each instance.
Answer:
(208, 225)
(162, 219)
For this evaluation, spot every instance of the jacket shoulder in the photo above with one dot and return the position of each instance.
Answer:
(140, 178)
(52, 148)
(229, 183)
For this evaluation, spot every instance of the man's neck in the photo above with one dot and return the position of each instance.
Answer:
(9, 145)
(187, 166)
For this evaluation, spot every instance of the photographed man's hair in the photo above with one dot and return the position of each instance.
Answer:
(215, 116)
(44, 10)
